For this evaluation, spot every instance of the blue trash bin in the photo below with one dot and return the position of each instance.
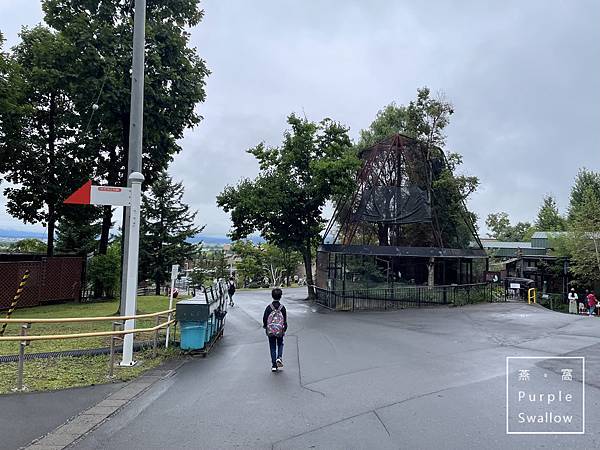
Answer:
(193, 335)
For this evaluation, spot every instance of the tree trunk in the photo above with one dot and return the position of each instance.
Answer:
(597, 252)
(105, 233)
(157, 287)
(431, 272)
(306, 256)
(382, 233)
(103, 244)
(51, 186)
(51, 225)
(107, 212)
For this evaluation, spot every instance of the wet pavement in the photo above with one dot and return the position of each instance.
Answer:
(424, 379)
(27, 416)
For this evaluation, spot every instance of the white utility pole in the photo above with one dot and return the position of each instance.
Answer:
(174, 272)
(136, 123)
(135, 181)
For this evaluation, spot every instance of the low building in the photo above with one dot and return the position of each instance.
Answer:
(532, 260)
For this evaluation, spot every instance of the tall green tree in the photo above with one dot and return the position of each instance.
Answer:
(501, 228)
(101, 35)
(167, 225)
(44, 161)
(251, 264)
(213, 264)
(425, 119)
(498, 224)
(285, 202)
(549, 218)
(583, 239)
(584, 181)
(103, 271)
(10, 87)
(30, 245)
(219, 264)
(390, 120)
(280, 263)
(78, 230)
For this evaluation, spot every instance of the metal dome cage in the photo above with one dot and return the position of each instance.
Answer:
(400, 234)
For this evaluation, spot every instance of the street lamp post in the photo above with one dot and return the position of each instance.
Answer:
(134, 159)
(135, 181)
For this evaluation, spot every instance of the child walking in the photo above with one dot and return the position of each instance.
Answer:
(275, 325)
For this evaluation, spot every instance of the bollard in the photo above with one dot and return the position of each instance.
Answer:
(21, 362)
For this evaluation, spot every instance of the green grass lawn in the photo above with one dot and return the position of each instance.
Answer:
(145, 304)
(60, 373)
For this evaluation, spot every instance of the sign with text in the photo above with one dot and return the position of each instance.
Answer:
(100, 195)
(545, 395)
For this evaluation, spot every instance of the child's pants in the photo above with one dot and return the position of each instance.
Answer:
(276, 346)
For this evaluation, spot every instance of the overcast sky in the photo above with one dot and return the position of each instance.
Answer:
(523, 75)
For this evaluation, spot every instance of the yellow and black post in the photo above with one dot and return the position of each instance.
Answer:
(16, 299)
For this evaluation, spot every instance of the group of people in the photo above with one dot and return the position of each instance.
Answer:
(589, 302)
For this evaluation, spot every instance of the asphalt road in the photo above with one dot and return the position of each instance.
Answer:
(422, 379)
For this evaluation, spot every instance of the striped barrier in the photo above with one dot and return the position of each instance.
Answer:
(16, 298)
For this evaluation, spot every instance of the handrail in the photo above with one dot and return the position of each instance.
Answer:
(81, 335)
(24, 339)
(87, 319)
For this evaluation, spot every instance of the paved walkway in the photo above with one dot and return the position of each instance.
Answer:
(431, 378)
(25, 417)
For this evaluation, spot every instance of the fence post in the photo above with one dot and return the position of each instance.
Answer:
(113, 338)
(155, 337)
(21, 362)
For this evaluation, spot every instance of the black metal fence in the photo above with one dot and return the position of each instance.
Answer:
(407, 297)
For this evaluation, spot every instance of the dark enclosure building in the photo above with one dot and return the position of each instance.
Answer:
(405, 224)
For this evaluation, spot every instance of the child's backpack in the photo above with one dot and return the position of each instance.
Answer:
(275, 322)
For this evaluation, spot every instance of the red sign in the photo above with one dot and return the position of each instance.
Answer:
(100, 195)
(82, 195)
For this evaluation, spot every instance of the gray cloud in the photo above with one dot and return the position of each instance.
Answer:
(522, 76)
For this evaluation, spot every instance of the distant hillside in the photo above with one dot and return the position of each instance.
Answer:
(20, 234)
(220, 240)
(210, 239)
(15, 235)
